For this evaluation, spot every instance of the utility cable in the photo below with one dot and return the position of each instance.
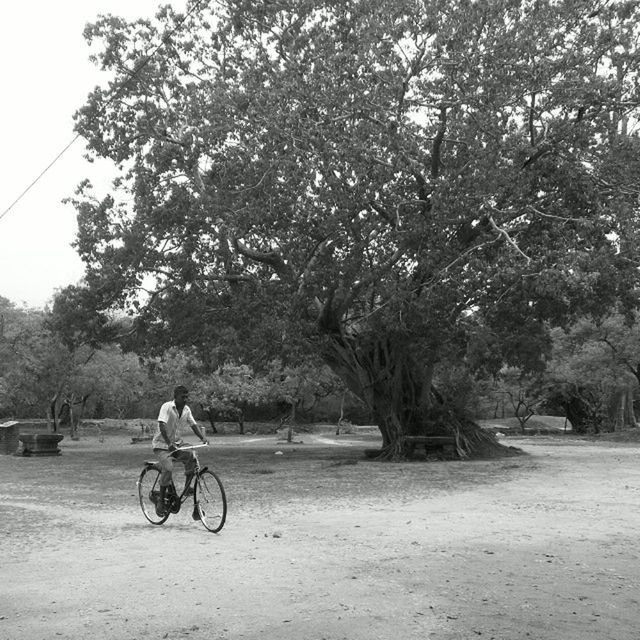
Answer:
(116, 92)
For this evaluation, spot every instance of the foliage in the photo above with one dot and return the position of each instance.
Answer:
(30, 361)
(75, 319)
(231, 389)
(301, 385)
(580, 356)
(596, 361)
(115, 381)
(37, 364)
(237, 387)
(359, 179)
(522, 392)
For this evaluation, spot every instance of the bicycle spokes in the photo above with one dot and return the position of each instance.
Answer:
(149, 495)
(210, 501)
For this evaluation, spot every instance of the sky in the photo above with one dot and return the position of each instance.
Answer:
(46, 76)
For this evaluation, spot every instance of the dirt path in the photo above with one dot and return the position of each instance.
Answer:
(549, 551)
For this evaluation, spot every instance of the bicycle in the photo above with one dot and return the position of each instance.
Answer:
(209, 498)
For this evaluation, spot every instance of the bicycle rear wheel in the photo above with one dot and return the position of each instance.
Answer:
(149, 493)
(210, 500)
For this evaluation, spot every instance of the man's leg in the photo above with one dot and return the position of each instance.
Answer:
(187, 458)
(166, 473)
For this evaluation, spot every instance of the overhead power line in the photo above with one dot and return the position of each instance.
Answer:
(116, 92)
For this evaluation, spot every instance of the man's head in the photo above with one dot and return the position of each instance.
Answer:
(180, 395)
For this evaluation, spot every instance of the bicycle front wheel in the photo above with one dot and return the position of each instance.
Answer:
(210, 500)
(149, 494)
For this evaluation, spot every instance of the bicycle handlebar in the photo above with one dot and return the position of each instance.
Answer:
(192, 446)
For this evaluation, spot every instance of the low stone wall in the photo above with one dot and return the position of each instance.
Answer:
(33, 426)
(9, 432)
(28, 438)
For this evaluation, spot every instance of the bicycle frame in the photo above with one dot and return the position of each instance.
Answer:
(182, 497)
(191, 446)
(210, 505)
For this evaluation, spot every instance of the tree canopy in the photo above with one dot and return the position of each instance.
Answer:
(366, 179)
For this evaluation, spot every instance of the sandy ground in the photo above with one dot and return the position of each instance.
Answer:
(543, 546)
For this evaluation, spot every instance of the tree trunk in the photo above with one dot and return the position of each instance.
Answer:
(577, 417)
(83, 406)
(240, 418)
(341, 418)
(400, 393)
(292, 420)
(63, 413)
(581, 407)
(631, 414)
(621, 411)
(53, 405)
(208, 411)
(73, 424)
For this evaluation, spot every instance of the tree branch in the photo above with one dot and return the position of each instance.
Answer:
(549, 215)
(508, 238)
(388, 216)
(437, 143)
(372, 276)
(623, 360)
(317, 251)
(532, 129)
(270, 258)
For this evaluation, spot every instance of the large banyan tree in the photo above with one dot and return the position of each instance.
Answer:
(373, 176)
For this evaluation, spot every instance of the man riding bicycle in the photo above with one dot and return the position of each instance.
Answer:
(174, 416)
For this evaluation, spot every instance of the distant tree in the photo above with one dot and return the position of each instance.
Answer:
(360, 179)
(117, 381)
(522, 393)
(75, 319)
(597, 363)
(30, 361)
(299, 387)
(37, 365)
(228, 392)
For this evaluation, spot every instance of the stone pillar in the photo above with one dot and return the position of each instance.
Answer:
(40, 444)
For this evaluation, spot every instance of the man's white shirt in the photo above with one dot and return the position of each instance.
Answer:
(174, 423)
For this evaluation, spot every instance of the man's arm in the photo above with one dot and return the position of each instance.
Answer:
(198, 431)
(163, 433)
(195, 427)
